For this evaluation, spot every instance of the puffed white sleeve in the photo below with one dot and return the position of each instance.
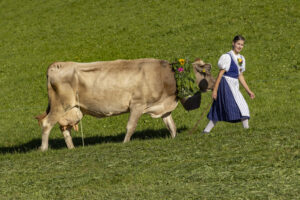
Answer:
(243, 67)
(224, 62)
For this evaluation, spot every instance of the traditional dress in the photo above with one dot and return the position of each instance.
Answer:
(230, 105)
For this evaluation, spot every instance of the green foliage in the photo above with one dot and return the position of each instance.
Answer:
(230, 163)
(185, 78)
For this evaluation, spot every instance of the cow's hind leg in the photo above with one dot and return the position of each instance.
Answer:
(66, 131)
(47, 125)
(168, 120)
(135, 114)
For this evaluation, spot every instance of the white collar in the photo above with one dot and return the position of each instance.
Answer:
(235, 57)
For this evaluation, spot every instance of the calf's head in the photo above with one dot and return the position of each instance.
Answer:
(204, 79)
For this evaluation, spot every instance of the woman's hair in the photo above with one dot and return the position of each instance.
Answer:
(237, 38)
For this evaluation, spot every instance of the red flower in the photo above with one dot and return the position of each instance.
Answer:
(180, 69)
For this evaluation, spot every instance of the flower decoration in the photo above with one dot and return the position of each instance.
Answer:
(185, 78)
(181, 61)
(240, 61)
(180, 69)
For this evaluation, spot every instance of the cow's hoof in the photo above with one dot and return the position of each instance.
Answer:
(126, 141)
(41, 148)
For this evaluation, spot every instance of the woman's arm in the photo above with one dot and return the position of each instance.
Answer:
(244, 84)
(215, 90)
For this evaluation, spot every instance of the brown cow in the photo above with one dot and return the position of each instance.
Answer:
(108, 88)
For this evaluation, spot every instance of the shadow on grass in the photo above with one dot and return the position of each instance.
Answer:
(60, 143)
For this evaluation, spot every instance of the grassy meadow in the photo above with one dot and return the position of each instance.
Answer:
(230, 163)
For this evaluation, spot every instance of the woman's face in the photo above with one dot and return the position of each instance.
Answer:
(238, 46)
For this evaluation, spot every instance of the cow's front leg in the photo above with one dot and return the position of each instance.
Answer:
(135, 114)
(66, 131)
(168, 120)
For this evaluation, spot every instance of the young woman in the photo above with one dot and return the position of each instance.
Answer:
(229, 104)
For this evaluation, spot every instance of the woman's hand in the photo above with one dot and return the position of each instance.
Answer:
(215, 90)
(214, 95)
(251, 94)
(243, 82)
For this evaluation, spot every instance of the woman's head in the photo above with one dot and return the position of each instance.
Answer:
(238, 43)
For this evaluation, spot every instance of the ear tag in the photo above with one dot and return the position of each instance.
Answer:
(203, 70)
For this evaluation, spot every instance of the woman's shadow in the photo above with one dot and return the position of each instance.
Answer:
(60, 143)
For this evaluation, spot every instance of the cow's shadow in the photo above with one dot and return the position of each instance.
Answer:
(60, 143)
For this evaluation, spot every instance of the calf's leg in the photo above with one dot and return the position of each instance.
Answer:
(168, 120)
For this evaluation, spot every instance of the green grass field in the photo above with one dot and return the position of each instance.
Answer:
(230, 163)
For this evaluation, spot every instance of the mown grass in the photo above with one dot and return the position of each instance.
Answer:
(230, 163)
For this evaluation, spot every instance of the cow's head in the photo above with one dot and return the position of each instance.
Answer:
(204, 79)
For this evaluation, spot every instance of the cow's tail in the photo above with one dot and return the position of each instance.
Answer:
(42, 116)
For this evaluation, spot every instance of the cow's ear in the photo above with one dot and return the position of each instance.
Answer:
(198, 68)
(198, 64)
(202, 67)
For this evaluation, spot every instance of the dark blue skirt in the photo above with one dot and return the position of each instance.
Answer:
(225, 107)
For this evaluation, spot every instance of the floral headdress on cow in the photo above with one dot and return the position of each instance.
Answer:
(185, 78)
